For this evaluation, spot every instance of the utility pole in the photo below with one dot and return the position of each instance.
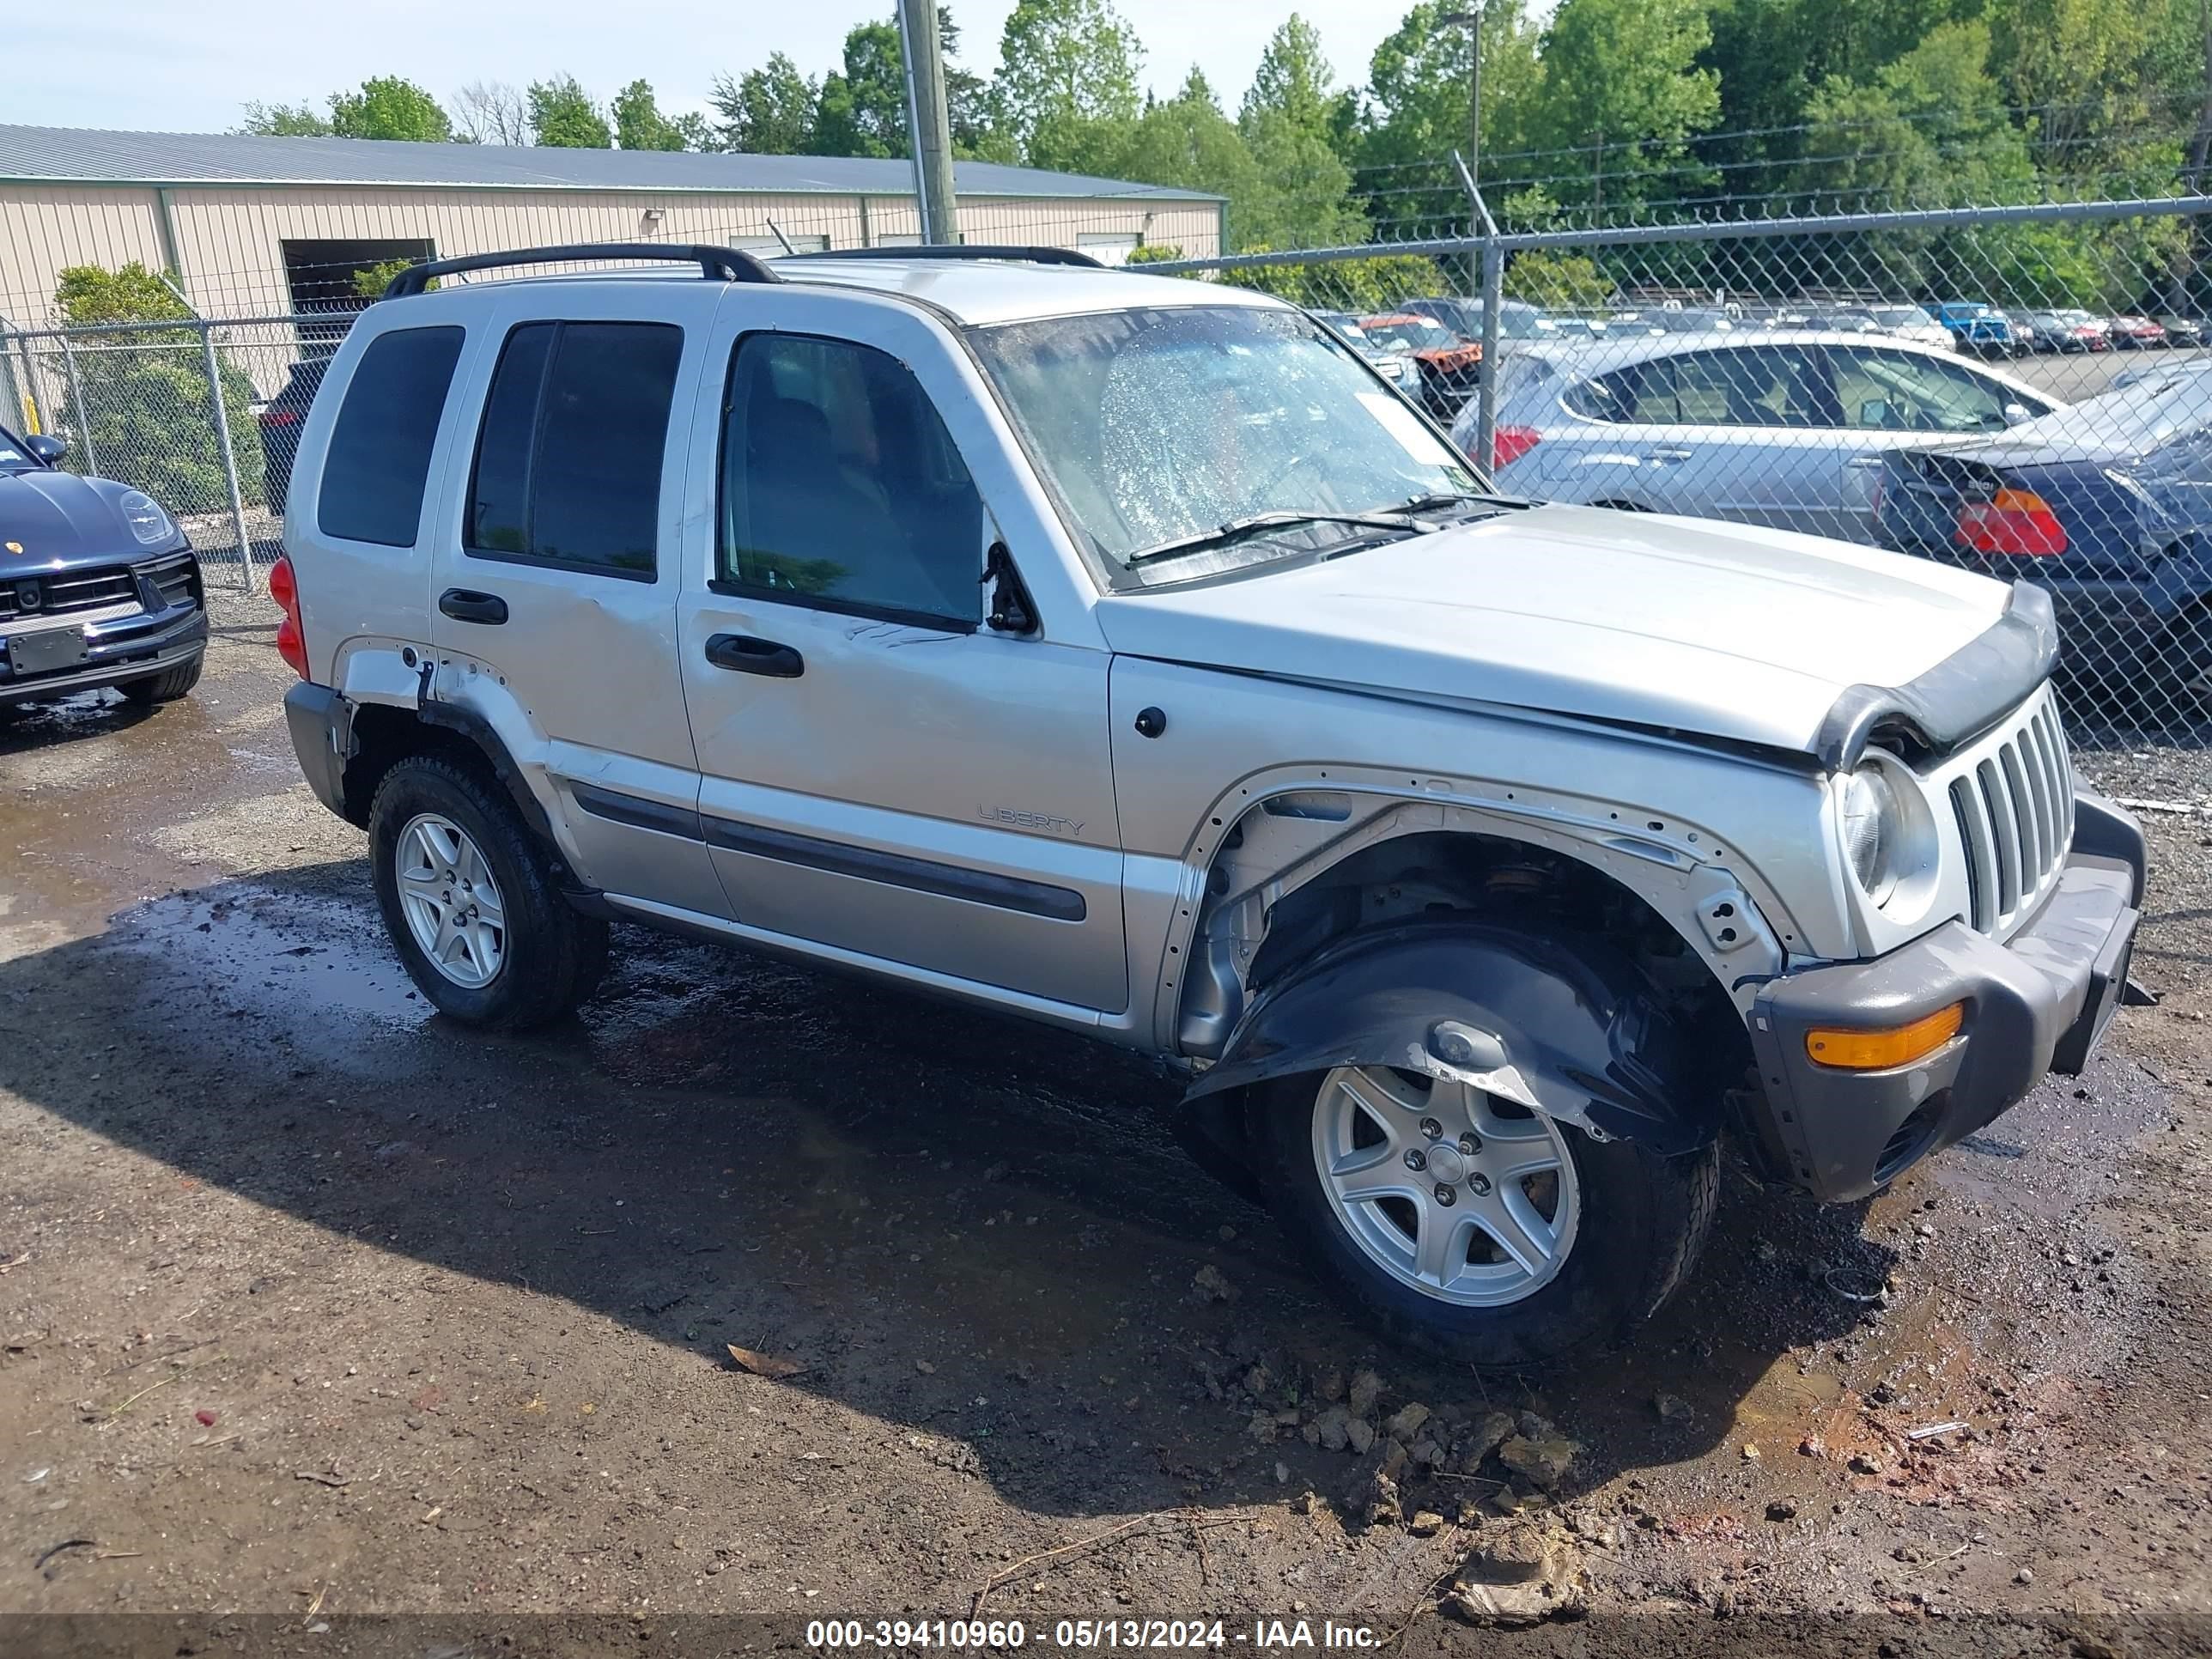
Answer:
(929, 128)
(1472, 23)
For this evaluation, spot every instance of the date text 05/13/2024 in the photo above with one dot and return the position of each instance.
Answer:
(1088, 1635)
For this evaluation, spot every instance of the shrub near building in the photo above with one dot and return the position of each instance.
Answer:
(144, 393)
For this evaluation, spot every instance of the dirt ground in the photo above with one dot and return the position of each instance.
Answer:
(313, 1308)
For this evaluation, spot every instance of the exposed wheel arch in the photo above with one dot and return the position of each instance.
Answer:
(1561, 1023)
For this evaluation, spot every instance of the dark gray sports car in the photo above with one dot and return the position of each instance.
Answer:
(98, 585)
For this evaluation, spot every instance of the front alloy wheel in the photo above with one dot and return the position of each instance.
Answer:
(1471, 1225)
(1453, 1193)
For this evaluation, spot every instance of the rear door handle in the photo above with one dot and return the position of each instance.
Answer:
(747, 654)
(466, 605)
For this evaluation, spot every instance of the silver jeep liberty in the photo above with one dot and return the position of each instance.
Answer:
(1123, 653)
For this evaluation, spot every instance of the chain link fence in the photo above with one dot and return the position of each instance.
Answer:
(202, 415)
(2019, 392)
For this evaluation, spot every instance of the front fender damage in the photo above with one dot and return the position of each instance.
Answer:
(1562, 1026)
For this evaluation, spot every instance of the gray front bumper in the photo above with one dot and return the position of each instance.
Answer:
(2035, 1004)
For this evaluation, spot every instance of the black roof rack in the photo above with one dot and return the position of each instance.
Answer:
(725, 265)
(1035, 256)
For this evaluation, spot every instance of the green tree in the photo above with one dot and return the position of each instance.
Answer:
(563, 116)
(1772, 56)
(1928, 130)
(1065, 93)
(1622, 97)
(86, 294)
(1416, 111)
(769, 111)
(861, 110)
(2086, 75)
(147, 410)
(639, 124)
(1353, 285)
(390, 106)
(1569, 282)
(370, 281)
(1303, 192)
(283, 121)
(1187, 142)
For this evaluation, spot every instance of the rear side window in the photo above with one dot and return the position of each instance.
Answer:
(379, 454)
(568, 464)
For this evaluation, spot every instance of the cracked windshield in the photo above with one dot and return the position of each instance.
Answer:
(1169, 430)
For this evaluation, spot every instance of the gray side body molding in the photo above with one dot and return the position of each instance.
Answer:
(1557, 1026)
(1961, 697)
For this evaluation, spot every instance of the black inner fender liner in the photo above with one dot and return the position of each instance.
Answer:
(1560, 1024)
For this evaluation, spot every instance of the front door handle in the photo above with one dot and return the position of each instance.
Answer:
(749, 655)
(466, 605)
(1667, 454)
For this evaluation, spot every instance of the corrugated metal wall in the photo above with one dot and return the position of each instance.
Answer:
(229, 242)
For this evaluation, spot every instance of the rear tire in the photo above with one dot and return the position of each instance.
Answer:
(1626, 1223)
(515, 953)
(166, 687)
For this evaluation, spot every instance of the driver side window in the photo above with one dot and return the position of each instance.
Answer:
(1904, 391)
(840, 487)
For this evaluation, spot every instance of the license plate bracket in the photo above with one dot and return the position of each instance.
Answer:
(45, 650)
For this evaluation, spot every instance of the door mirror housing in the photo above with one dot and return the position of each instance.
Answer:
(2016, 413)
(1011, 613)
(47, 448)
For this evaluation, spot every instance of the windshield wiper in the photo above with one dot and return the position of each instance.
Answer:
(1438, 503)
(1236, 529)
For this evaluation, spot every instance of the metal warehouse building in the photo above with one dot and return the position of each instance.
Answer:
(261, 227)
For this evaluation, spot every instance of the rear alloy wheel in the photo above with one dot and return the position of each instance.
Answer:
(1473, 1225)
(451, 902)
(472, 900)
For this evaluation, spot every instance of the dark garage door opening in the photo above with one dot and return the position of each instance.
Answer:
(322, 275)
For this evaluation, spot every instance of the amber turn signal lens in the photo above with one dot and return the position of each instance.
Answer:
(1877, 1051)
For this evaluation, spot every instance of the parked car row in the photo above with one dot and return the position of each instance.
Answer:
(1974, 327)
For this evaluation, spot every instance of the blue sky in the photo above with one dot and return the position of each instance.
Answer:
(157, 65)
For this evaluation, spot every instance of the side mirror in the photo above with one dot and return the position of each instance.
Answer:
(1012, 611)
(47, 448)
(2015, 413)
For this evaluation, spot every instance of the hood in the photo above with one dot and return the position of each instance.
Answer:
(62, 521)
(1724, 630)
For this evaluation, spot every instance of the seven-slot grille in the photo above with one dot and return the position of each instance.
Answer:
(65, 590)
(2015, 812)
(174, 579)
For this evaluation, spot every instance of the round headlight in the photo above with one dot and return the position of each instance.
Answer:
(1872, 818)
(144, 516)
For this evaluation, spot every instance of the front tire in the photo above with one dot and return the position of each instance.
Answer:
(471, 901)
(1474, 1228)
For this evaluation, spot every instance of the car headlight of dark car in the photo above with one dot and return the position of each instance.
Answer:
(147, 522)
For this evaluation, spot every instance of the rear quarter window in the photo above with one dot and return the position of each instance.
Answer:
(379, 459)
